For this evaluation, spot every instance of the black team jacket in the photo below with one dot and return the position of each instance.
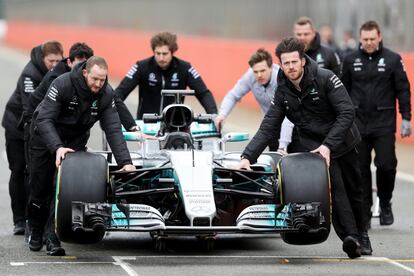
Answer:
(322, 112)
(70, 109)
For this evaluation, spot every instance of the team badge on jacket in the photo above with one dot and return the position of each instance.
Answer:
(381, 65)
(357, 65)
(174, 80)
(152, 80)
(94, 108)
(320, 60)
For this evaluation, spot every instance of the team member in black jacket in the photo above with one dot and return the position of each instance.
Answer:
(325, 57)
(375, 78)
(42, 58)
(78, 52)
(61, 124)
(163, 71)
(315, 100)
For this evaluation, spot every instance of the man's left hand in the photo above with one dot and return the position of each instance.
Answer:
(325, 152)
(282, 151)
(134, 128)
(128, 168)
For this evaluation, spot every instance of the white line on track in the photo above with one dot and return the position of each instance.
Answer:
(368, 258)
(58, 262)
(395, 263)
(119, 260)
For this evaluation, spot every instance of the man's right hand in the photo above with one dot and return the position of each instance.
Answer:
(219, 121)
(282, 151)
(60, 154)
(244, 164)
(325, 152)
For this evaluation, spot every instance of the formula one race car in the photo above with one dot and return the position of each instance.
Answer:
(184, 184)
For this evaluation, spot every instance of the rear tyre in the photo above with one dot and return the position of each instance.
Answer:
(82, 176)
(304, 178)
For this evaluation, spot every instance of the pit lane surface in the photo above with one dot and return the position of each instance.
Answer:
(134, 254)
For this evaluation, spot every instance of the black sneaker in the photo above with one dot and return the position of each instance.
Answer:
(19, 227)
(35, 239)
(365, 243)
(351, 247)
(386, 216)
(54, 247)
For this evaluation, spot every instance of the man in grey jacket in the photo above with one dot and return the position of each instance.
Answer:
(261, 80)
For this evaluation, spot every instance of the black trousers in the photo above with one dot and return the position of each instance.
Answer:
(18, 186)
(26, 136)
(386, 163)
(348, 216)
(42, 187)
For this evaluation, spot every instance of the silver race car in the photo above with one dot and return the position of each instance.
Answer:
(184, 184)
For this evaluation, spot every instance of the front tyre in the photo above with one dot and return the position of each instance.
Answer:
(304, 178)
(82, 176)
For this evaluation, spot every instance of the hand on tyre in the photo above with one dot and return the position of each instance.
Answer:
(60, 154)
(282, 151)
(325, 152)
(406, 129)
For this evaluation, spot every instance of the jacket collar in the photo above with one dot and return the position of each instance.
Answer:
(62, 66)
(375, 53)
(315, 44)
(173, 64)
